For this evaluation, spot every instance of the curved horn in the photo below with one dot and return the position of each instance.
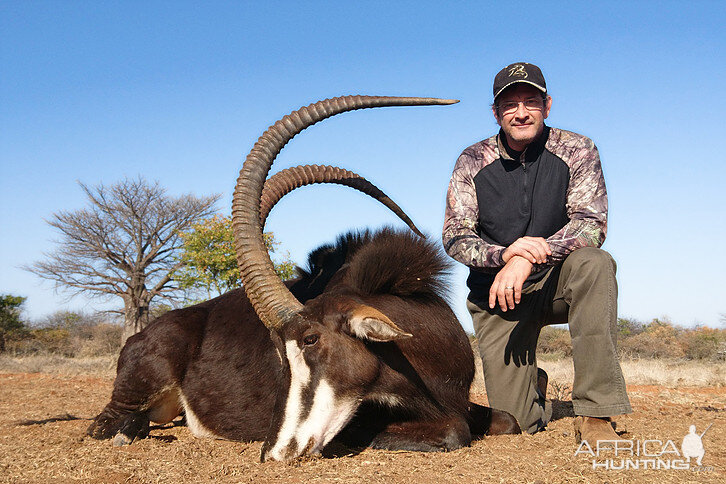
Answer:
(285, 181)
(272, 301)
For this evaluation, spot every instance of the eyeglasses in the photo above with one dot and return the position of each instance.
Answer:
(531, 104)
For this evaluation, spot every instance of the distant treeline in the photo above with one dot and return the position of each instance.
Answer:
(65, 333)
(656, 339)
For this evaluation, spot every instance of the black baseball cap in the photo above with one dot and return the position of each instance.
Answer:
(519, 72)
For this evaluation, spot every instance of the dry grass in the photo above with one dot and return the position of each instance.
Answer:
(97, 366)
(662, 372)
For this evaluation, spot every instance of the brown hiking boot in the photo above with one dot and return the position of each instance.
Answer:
(593, 429)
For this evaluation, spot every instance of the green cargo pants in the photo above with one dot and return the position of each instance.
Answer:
(582, 292)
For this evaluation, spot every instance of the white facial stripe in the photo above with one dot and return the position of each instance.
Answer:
(327, 417)
(299, 380)
(328, 413)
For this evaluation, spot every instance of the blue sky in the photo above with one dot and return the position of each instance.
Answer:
(179, 91)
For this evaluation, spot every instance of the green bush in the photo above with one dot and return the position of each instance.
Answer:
(554, 341)
(11, 326)
(629, 327)
(67, 334)
(704, 344)
(650, 345)
(659, 338)
(52, 340)
(104, 339)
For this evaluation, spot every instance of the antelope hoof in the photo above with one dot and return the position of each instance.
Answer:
(120, 440)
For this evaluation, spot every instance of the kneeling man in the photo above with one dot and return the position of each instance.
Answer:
(526, 211)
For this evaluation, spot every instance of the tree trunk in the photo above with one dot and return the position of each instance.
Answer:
(136, 318)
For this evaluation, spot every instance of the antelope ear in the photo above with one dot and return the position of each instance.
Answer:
(371, 324)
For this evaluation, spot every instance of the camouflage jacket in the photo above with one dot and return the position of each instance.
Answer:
(554, 189)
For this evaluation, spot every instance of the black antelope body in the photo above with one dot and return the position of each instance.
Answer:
(362, 347)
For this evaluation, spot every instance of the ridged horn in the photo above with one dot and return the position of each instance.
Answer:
(287, 180)
(273, 302)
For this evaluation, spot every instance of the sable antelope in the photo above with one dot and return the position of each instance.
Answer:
(362, 346)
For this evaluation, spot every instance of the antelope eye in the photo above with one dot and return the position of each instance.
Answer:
(310, 339)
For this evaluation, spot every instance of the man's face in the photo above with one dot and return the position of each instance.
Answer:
(521, 112)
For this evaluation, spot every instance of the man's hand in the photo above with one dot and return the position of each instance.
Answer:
(507, 285)
(534, 249)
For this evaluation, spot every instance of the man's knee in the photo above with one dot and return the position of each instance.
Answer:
(592, 260)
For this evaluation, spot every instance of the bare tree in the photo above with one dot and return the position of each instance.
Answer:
(124, 245)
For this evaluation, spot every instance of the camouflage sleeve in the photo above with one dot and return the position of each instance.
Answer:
(587, 206)
(460, 237)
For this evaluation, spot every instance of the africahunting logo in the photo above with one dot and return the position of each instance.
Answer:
(647, 454)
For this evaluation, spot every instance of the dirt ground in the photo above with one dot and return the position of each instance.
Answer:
(43, 418)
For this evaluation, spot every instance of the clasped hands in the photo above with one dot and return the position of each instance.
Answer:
(519, 258)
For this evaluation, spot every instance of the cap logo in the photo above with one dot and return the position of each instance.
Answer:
(517, 70)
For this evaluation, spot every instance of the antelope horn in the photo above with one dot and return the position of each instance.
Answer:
(273, 302)
(285, 181)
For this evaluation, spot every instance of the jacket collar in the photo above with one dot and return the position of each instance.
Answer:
(531, 152)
